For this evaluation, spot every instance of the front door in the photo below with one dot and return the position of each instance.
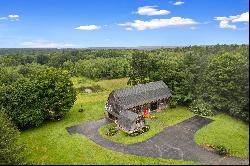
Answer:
(154, 106)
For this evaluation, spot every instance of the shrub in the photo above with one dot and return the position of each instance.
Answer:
(81, 109)
(112, 131)
(238, 112)
(200, 107)
(221, 149)
(146, 128)
(136, 133)
(140, 131)
(173, 102)
(10, 152)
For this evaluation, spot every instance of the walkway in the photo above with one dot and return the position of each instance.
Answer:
(174, 142)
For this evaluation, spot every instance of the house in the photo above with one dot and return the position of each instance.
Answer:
(128, 106)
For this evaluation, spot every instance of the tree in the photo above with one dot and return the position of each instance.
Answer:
(42, 59)
(47, 94)
(11, 153)
(101, 68)
(56, 92)
(140, 67)
(226, 84)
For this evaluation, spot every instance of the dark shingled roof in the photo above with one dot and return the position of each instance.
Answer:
(141, 94)
(126, 118)
(131, 116)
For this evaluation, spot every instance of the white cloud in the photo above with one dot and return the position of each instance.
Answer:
(45, 44)
(129, 28)
(88, 27)
(244, 17)
(178, 3)
(151, 11)
(193, 28)
(226, 22)
(158, 23)
(12, 17)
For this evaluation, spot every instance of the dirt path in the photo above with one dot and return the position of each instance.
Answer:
(174, 142)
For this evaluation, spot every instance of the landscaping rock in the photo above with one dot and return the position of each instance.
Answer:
(88, 90)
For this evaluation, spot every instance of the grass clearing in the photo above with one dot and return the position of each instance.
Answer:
(51, 143)
(227, 131)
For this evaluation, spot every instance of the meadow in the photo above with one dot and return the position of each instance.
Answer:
(52, 144)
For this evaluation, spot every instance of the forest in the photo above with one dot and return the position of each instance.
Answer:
(36, 86)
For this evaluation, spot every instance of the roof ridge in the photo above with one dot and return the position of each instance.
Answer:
(132, 96)
(137, 89)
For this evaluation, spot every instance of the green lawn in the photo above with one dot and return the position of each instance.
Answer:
(51, 144)
(227, 131)
(164, 119)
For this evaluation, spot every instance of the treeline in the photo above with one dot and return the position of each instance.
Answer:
(208, 79)
(95, 64)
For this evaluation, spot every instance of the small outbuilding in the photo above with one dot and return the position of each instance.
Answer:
(127, 106)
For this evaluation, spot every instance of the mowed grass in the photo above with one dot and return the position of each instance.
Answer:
(51, 143)
(227, 131)
(165, 118)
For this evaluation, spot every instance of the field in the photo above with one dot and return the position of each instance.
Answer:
(51, 144)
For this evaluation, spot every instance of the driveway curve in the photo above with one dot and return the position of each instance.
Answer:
(174, 142)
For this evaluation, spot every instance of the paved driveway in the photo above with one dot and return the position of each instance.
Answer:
(174, 142)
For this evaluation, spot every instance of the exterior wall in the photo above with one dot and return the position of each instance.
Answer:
(113, 108)
(137, 109)
(109, 112)
(162, 104)
(140, 123)
(106, 113)
(123, 128)
(135, 125)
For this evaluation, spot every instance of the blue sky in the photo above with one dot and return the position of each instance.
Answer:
(124, 23)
